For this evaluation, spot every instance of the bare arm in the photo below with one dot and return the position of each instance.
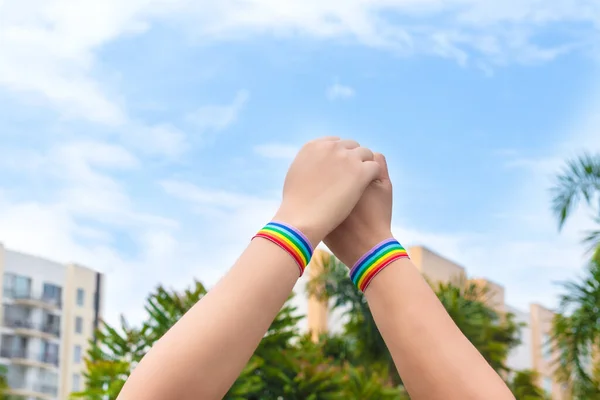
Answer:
(435, 360)
(433, 357)
(203, 353)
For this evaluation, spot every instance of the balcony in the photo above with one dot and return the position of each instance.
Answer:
(23, 357)
(47, 389)
(29, 299)
(28, 327)
(38, 391)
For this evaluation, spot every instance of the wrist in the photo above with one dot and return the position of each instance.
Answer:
(355, 243)
(376, 260)
(307, 226)
(364, 245)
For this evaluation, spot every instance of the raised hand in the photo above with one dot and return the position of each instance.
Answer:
(324, 183)
(369, 222)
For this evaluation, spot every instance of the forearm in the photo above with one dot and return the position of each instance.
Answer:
(434, 359)
(203, 354)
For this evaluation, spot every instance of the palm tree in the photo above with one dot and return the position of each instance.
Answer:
(576, 328)
(360, 384)
(114, 352)
(494, 335)
(523, 386)
(364, 343)
(579, 180)
(576, 333)
(285, 365)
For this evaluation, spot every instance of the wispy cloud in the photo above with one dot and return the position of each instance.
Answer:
(49, 52)
(337, 91)
(215, 118)
(276, 150)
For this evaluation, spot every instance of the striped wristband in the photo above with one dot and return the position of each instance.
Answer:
(290, 239)
(374, 261)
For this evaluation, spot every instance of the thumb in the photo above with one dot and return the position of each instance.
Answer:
(384, 174)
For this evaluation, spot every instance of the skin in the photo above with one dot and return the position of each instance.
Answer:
(205, 351)
(434, 359)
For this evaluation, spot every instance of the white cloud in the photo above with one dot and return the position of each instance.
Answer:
(216, 118)
(161, 139)
(276, 150)
(338, 91)
(48, 49)
(48, 56)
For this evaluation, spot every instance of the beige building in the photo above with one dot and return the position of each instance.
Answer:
(533, 353)
(48, 316)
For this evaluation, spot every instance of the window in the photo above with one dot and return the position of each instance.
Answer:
(80, 297)
(8, 285)
(51, 323)
(49, 352)
(76, 382)
(52, 293)
(78, 325)
(546, 347)
(16, 316)
(14, 346)
(77, 354)
(17, 286)
(22, 286)
(548, 385)
(48, 382)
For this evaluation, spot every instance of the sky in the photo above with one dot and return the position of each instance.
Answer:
(149, 139)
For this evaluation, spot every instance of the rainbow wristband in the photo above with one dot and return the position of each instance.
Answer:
(374, 261)
(290, 239)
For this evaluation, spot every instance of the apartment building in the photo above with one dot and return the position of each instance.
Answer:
(49, 313)
(534, 353)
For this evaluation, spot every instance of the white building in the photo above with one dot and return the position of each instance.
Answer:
(48, 315)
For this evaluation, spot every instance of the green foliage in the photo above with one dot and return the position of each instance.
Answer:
(576, 333)
(166, 307)
(523, 385)
(579, 180)
(494, 335)
(116, 351)
(364, 344)
(299, 372)
(285, 364)
(360, 384)
(3, 381)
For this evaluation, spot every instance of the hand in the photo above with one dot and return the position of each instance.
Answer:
(324, 183)
(369, 223)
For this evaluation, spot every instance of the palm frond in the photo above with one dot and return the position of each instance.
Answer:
(579, 179)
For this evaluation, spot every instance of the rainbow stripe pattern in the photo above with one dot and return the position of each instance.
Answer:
(290, 239)
(374, 261)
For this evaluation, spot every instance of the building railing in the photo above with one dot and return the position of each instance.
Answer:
(49, 389)
(46, 388)
(25, 355)
(25, 324)
(44, 299)
(13, 353)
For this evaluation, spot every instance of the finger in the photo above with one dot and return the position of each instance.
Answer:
(372, 170)
(349, 144)
(327, 139)
(384, 174)
(364, 153)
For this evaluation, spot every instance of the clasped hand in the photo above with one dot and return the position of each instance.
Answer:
(339, 192)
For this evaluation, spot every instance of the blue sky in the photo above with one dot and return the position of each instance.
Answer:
(150, 139)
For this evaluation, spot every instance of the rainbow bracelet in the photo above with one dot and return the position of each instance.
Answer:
(374, 261)
(290, 239)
